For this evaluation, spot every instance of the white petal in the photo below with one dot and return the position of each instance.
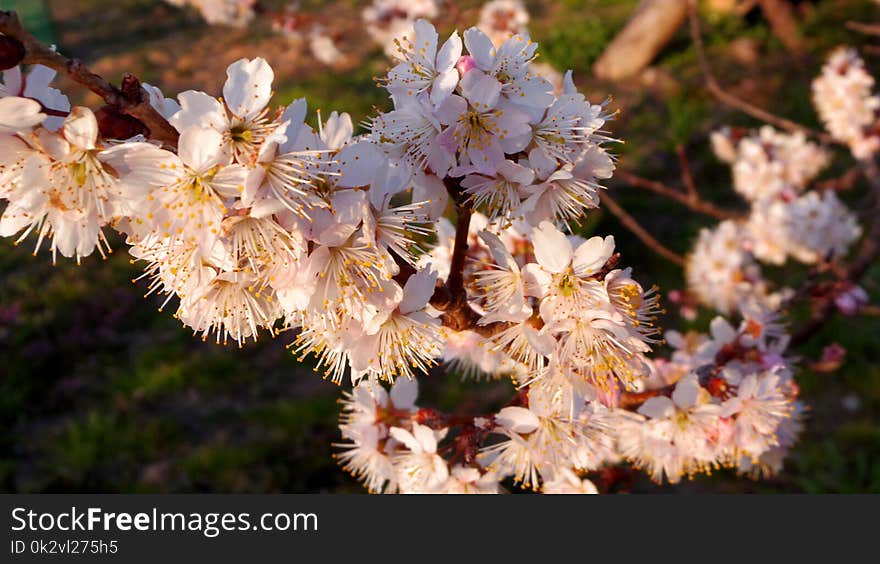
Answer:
(552, 247)
(198, 109)
(201, 148)
(480, 47)
(418, 290)
(337, 130)
(443, 86)
(592, 254)
(358, 164)
(686, 392)
(480, 89)
(426, 438)
(81, 128)
(517, 419)
(407, 438)
(17, 114)
(449, 53)
(659, 407)
(248, 87)
(404, 393)
(431, 190)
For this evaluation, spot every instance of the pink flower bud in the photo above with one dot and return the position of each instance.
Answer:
(850, 301)
(464, 64)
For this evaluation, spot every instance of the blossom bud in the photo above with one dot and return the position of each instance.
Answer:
(851, 300)
(11, 52)
(113, 124)
(464, 64)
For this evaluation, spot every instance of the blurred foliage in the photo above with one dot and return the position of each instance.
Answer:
(99, 392)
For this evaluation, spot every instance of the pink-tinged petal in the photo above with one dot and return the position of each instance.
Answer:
(451, 109)
(425, 37)
(536, 92)
(81, 128)
(449, 53)
(659, 407)
(443, 86)
(441, 159)
(484, 158)
(543, 164)
(358, 164)
(17, 114)
(480, 90)
(404, 393)
(516, 173)
(552, 248)
(480, 47)
(517, 419)
(465, 64)
(418, 290)
(198, 109)
(201, 148)
(592, 254)
(361, 352)
(748, 387)
(248, 87)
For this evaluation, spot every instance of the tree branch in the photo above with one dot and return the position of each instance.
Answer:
(630, 223)
(694, 203)
(131, 99)
(686, 176)
(734, 102)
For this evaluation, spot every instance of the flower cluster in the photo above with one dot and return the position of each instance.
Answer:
(389, 20)
(256, 222)
(843, 95)
(501, 19)
(773, 172)
(725, 399)
(236, 13)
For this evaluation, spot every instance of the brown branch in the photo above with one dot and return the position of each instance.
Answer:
(686, 177)
(695, 204)
(783, 23)
(130, 99)
(841, 183)
(733, 101)
(867, 29)
(451, 297)
(630, 223)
